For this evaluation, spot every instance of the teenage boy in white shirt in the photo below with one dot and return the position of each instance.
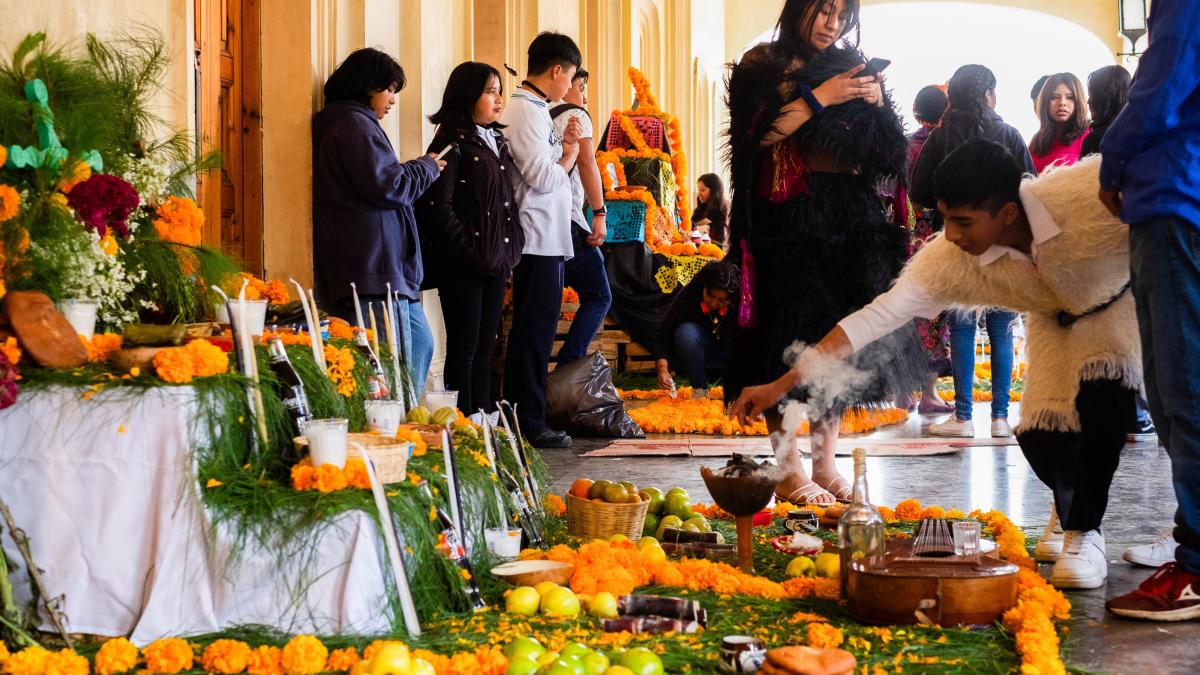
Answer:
(543, 190)
(585, 271)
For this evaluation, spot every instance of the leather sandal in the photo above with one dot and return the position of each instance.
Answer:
(805, 495)
(843, 494)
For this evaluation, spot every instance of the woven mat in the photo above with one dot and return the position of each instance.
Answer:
(725, 447)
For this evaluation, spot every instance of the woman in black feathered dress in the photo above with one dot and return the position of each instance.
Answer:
(809, 143)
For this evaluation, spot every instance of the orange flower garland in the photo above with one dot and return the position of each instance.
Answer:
(329, 478)
(651, 235)
(265, 660)
(342, 659)
(606, 158)
(179, 221)
(641, 88)
(682, 415)
(199, 358)
(66, 662)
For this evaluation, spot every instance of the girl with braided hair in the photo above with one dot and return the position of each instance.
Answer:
(972, 93)
(809, 142)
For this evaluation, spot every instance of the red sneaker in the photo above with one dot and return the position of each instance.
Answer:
(1170, 594)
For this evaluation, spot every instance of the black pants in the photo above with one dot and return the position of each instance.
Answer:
(537, 302)
(471, 307)
(1079, 466)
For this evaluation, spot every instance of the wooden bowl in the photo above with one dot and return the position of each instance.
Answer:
(134, 357)
(741, 496)
(534, 572)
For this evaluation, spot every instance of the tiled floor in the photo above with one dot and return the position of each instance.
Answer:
(1142, 503)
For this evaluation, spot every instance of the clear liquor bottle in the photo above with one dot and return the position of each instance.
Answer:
(861, 528)
(451, 544)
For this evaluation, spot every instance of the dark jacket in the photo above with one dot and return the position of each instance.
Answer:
(716, 223)
(363, 225)
(958, 128)
(1091, 144)
(468, 217)
(685, 307)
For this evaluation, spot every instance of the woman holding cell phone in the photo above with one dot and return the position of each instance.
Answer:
(469, 227)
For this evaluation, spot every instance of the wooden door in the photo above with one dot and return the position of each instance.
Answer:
(228, 105)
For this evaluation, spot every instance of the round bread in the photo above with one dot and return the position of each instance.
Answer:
(45, 334)
(800, 660)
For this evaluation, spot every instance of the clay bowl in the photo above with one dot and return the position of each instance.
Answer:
(533, 572)
(739, 496)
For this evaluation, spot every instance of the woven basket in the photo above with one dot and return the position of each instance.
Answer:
(600, 520)
(430, 433)
(389, 455)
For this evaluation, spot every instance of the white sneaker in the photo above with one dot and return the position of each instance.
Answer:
(1001, 429)
(1155, 554)
(1082, 563)
(1049, 546)
(953, 428)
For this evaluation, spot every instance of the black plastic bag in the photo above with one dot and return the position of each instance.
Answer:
(581, 399)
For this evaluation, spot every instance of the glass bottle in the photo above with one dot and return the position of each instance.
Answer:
(861, 528)
(525, 516)
(294, 397)
(451, 544)
(376, 378)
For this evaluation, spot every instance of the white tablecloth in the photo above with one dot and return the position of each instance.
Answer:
(106, 489)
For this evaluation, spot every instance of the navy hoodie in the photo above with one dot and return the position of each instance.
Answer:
(364, 230)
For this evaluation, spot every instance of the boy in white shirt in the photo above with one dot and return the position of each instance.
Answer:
(585, 271)
(543, 190)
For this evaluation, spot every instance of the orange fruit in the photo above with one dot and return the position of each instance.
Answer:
(580, 487)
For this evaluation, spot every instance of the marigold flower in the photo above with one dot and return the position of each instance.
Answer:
(304, 655)
(66, 662)
(824, 636)
(226, 656)
(909, 509)
(555, 505)
(373, 648)
(342, 659)
(339, 365)
(11, 349)
(10, 202)
(356, 474)
(101, 346)
(265, 660)
(303, 476)
(179, 221)
(3, 159)
(117, 655)
(329, 478)
(168, 656)
(199, 358)
(79, 172)
(28, 661)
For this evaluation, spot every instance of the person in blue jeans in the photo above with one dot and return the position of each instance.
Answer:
(694, 334)
(999, 325)
(585, 271)
(1150, 178)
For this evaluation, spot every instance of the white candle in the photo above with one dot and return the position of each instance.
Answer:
(314, 330)
(491, 455)
(409, 609)
(451, 484)
(357, 307)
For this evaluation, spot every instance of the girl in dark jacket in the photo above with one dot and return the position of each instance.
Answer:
(364, 231)
(711, 207)
(470, 227)
(972, 93)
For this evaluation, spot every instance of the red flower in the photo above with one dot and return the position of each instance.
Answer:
(104, 201)
(8, 381)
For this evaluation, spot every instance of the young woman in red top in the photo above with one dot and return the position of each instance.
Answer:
(1065, 122)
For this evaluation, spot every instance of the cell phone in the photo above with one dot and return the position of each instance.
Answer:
(874, 67)
(446, 149)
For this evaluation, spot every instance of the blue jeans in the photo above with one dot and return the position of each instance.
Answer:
(696, 351)
(411, 328)
(1164, 255)
(586, 274)
(962, 359)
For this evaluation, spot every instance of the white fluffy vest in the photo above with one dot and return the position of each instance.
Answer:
(1080, 268)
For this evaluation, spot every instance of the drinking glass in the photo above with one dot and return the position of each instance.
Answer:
(327, 441)
(966, 537)
(384, 416)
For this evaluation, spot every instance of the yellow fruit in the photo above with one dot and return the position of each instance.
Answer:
(604, 605)
(618, 670)
(560, 602)
(802, 566)
(523, 600)
(444, 416)
(361, 668)
(545, 587)
(654, 553)
(418, 415)
(465, 428)
(547, 658)
(392, 659)
(646, 541)
(618, 537)
(829, 565)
